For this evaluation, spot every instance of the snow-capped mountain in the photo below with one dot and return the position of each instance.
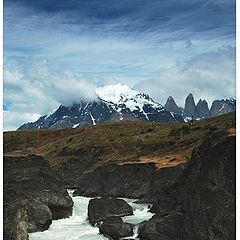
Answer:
(114, 103)
(118, 95)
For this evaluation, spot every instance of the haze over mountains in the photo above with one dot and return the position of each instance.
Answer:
(119, 102)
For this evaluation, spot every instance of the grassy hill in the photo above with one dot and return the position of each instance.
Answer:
(127, 142)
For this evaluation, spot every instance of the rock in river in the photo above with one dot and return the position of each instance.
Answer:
(101, 208)
(114, 228)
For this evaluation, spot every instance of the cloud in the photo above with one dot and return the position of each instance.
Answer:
(38, 91)
(210, 76)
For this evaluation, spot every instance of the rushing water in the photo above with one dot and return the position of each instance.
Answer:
(77, 227)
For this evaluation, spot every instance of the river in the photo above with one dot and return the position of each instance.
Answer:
(77, 227)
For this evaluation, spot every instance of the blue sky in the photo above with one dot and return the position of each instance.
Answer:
(56, 52)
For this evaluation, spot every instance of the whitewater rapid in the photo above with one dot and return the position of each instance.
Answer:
(77, 226)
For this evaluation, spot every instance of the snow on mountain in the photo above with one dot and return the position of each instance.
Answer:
(120, 94)
(115, 103)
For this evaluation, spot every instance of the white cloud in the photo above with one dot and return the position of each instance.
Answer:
(209, 76)
(38, 91)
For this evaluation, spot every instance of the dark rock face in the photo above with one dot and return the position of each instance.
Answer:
(114, 228)
(171, 106)
(211, 193)
(100, 209)
(35, 192)
(141, 181)
(220, 107)
(39, 215)
(202, 110)
(15, 221)
(190, 107)
(162, 227)
(127, 180)
(201, 204)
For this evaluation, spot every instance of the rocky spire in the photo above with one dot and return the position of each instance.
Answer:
(190, 107)
(171, 106)
(202, 109)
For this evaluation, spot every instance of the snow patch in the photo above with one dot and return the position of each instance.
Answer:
(223, 106)
(93, 119)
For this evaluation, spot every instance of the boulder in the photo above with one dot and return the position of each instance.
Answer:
(39, 216)
(162, 226)
(114, 228)
(101, 208)
(29, 179)
(15, 222)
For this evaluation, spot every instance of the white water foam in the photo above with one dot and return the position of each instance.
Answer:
(77, 226)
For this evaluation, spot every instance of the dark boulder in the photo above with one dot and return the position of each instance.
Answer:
(114, 228)
(162, 227)
(15, 222)
(39, 215)
(101, 208)
(29, 179)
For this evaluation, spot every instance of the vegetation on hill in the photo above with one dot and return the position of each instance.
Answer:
(127, 142)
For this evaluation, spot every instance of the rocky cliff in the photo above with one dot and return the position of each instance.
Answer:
(201, 204)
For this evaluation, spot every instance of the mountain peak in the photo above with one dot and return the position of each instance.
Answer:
(116, 102)
(190, 95)
(120, 94)
(115, 93)
(171, 106)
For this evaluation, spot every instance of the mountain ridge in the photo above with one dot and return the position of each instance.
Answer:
(112, 103)
(119, 102)
(201, 110)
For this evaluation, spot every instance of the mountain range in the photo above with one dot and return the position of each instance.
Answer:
(119, 102)
(200, 110)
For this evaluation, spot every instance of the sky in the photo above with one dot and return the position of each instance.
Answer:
(58, 51)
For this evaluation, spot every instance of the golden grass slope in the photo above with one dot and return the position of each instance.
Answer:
(127, 142)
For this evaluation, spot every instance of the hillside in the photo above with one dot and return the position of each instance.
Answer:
(127, 142)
